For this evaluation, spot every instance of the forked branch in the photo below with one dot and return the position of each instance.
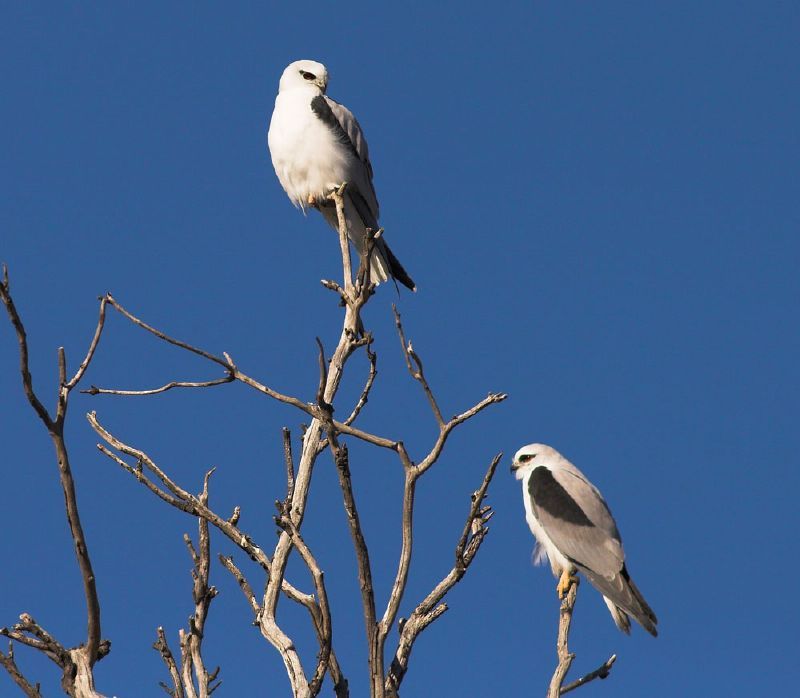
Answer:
(10, 665)
(565, 657)
(77, 663)
(193, 680)
(430, 608)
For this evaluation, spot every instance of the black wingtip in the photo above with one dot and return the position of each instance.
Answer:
(647, 618)
(397, 270)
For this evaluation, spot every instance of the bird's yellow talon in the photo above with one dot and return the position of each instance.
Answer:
(565, 582)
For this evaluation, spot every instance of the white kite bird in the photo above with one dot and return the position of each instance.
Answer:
(575, 530)
(316, 145)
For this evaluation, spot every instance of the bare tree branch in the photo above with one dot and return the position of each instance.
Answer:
(355, 297)
(323, 431)
(374, 657)
(22, 341)
(202, 593)
(289, 460)
(7, 660)
(373, 372)
(101, 320)
(338, 199)
(77, 678)
(445, 431)
(225, 361)
(415, 370)
(78, 661)
(284, 520)
(184, 501)
(181, 499)
(601, 672)
(244, 585)
(163, 649)
(161, 335)
(339, 682)
(565, 657)
(429, 609)
(93, 390)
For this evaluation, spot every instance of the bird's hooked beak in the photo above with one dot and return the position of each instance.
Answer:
(514, 466)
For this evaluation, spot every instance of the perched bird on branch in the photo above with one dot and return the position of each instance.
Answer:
(316, 145)
(575, 530)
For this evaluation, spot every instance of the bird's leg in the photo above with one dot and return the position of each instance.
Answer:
(566, 581)
(312, 200)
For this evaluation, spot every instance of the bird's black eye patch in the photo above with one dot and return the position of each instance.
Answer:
(307, 75)
(527, 457)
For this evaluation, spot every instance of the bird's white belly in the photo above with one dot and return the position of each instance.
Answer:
(308, 160)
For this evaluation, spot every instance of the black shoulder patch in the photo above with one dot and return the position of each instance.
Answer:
(325, 114)
(549, 495)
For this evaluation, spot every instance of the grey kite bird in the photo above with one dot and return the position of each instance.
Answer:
(316, 145)
(575, 530)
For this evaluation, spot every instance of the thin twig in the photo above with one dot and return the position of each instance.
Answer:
(373, 373)
(7, 660)
(92, 347)
(22, 341)
(241, 580)
(289, 460)
(323, 378)
(601, 672)
(416, 371)
(163, 336)
(94, 390)
(445, 431)
(225, 361)
(162, 647)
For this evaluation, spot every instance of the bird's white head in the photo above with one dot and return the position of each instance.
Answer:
(531, 456)
(304, 74)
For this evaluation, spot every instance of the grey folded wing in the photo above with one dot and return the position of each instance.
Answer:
(346, 129)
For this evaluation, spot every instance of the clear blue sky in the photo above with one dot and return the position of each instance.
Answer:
(599, 203)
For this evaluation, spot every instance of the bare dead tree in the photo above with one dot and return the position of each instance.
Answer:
(189, 677)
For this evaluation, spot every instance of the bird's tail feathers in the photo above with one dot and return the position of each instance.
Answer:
(647, 618)
(623, 599)
(383, 264)
(396, 269)
(621, 619)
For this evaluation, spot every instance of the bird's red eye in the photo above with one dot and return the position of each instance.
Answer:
(307, 75)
